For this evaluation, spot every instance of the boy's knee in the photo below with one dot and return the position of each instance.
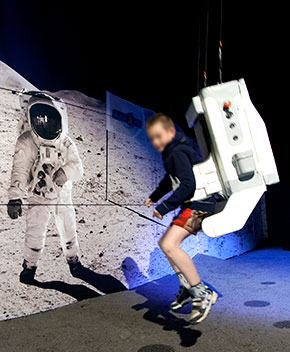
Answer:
(166, 246)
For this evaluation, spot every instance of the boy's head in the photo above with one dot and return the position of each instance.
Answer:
(160, 129)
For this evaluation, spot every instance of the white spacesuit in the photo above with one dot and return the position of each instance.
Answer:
(45, 163)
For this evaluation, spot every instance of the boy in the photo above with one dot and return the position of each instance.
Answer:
(45, 164)
(179, 157)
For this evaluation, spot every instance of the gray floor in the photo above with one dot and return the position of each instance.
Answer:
(252, 314)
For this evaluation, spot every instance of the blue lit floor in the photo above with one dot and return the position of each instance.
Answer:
(253, 314)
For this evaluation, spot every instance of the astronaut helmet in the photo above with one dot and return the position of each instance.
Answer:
(45, 121)
(46, 116)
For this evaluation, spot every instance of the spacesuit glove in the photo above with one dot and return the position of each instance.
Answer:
(14, 208)
(59, 177)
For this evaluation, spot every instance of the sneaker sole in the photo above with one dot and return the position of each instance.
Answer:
(213, 300)
(185, 302)
(181, 305)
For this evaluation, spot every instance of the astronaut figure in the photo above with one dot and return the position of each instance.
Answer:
(45, 163)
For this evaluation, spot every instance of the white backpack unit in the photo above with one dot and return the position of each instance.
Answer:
(239, 162)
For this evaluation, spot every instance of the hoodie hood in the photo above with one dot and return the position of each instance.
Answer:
(179, 141)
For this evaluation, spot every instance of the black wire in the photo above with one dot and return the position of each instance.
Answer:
(198, 59)
(15, 91)
(221, 19)
(136, 212)
(96, 204)
(78, 204)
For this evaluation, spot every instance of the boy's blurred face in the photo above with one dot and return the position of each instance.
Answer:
(160, 136)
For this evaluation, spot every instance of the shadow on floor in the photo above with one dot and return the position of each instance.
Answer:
(103, 283)
(158, 298)
(78, 292)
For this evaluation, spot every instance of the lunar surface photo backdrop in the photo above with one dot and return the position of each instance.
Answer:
(118, 244)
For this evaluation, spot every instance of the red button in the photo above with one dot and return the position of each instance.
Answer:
(227, 104)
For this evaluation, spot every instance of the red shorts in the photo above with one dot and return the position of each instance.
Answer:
(190, 219)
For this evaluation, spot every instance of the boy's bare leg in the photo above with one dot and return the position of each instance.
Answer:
(181, 278)
(175, 268)
(178, 258)
(202, 297)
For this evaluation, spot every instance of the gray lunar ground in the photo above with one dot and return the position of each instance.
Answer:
(113, 240)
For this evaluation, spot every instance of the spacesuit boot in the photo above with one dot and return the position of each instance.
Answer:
(27, 274)
(75, 266)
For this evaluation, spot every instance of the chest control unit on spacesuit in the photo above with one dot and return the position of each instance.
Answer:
(49, 160)
(238, 160)
(45, 117)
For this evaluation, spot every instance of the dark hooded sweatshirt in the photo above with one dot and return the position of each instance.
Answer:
(179, 157)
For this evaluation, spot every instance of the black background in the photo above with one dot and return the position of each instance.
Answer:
(148, 53)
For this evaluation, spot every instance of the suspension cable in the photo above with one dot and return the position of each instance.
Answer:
(198, 59)
(206, 47)
(220, 42)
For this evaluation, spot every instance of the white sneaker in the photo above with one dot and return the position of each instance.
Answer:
(201, 306)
